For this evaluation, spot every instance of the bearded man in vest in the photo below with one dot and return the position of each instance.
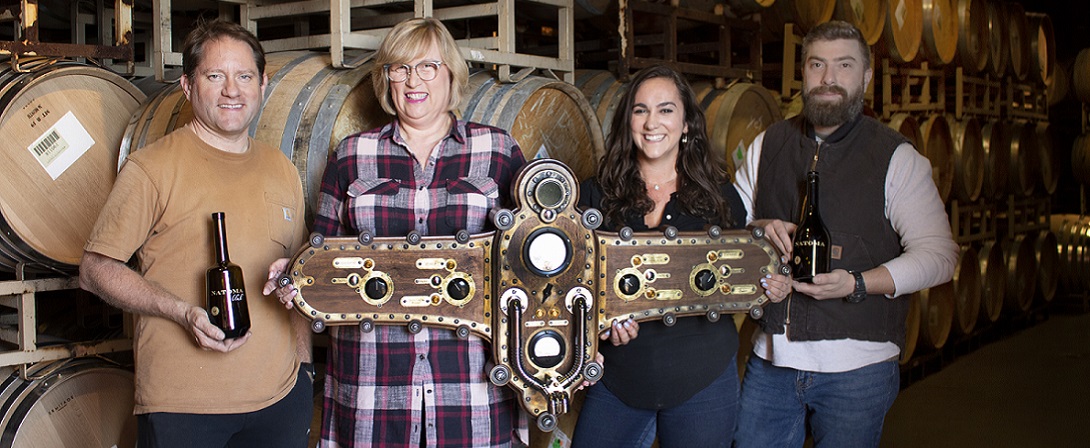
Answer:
(825, 357)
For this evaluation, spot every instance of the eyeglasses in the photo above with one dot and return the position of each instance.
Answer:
(426, 71)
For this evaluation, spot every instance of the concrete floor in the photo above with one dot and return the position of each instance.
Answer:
(1028, 389)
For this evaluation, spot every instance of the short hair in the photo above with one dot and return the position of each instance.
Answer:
(208, 31)
(407, 41)
(836, 30)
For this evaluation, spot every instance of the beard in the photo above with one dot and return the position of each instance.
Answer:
(826, 114)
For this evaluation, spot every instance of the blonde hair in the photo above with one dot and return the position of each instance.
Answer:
(407, 41)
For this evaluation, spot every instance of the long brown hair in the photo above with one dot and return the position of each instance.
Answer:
(624, 192)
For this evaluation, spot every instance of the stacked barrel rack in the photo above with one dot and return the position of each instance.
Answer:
(966, 80)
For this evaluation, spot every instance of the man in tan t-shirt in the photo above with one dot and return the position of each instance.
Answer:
(194, 388)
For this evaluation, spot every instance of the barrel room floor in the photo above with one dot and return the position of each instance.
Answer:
(1030, 389)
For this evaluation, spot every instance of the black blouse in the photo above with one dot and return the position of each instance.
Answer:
(665, 366)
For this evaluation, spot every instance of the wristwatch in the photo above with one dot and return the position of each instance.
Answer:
(860, 292)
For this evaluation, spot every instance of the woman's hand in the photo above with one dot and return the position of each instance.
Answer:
(621, 332)
(777, 286)
(285, 293)
(777, 232)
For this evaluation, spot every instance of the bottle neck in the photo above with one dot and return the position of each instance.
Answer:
(811, 192)
(221, 239)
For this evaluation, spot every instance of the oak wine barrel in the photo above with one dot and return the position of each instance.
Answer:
(912, 327)
(938, 147)
(804, 14)
(1047, 159)
(967, 291)
(940, 31)
(1046, 249)
(1018, 40)
(1080, 159)
(1073, 242)
(968, 159)
(61, 133)
(998, 43)
(735, 116)
(1042, 46)
(72, 403)
(1021, 257)
(547, 117)
(993, 273)
(1080, 75)
(309, 108)
(603, 92)
(903, 33)
(1024, 160)
(867, 15)
(973, 40)
(907, 126)
(936, 315)
(996, 143)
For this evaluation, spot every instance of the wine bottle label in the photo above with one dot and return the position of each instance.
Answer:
(810, 243)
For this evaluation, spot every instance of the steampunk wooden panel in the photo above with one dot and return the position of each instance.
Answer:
(652, 275)
(414, 281)
(544, 323)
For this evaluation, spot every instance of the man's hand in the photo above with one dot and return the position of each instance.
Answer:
(833, 285)
(208, 336)
(285, 294)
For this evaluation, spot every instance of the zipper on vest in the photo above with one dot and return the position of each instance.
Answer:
(787, 318)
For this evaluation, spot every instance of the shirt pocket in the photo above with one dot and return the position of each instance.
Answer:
(379, 205)
(282, 217)
(467, 202)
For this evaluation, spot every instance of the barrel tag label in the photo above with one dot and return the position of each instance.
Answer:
(61, 145)
(542, 153)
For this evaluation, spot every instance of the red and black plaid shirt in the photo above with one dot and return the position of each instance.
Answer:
(388, 387)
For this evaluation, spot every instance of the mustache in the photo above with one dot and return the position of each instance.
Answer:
(821, 90)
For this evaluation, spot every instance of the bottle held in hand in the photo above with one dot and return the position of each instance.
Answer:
(811, 244)
(226, 289)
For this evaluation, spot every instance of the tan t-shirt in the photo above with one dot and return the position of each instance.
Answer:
(160, 209)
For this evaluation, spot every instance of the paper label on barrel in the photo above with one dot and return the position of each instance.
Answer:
(61, 145)
(542, 153)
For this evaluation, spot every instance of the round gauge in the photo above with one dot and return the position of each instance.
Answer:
(547, 252)
(547, 349)
(549, 193)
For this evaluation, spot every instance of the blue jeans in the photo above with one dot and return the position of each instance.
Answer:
(844, 409)
(705, 420)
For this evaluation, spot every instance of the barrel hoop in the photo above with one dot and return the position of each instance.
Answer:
(273, 82)
(298, 107)
(476, 99)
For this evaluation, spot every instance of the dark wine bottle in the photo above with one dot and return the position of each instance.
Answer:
(811, 243)
(226, 289)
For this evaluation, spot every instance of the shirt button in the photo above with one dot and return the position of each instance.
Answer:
(421, 220)
(668, 217)
(421, 356)
(421, 188)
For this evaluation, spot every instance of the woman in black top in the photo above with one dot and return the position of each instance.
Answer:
(678, 383)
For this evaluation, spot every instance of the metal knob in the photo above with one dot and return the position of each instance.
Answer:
(458, 289)
(629, 284)
(376, 288)
(705, 280)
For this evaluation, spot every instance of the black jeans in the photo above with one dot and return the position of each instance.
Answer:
(284, 424)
